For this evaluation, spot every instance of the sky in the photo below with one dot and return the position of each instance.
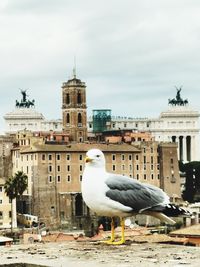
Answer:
(130, 53)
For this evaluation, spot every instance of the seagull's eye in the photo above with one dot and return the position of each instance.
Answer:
(97, 156)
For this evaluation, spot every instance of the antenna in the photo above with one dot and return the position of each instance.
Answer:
(74, 68)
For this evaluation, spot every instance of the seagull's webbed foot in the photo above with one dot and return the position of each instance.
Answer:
(112, 241)
(112, 238)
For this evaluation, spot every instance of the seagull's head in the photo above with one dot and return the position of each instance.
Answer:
(95, 157)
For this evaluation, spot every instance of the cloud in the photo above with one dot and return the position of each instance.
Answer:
(130, 53)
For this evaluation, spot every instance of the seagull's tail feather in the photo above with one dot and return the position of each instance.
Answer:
(161, 217)
(163, 212)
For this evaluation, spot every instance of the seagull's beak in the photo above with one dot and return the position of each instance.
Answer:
(87, 159)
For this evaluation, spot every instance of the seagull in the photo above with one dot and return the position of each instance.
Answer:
(115, 195)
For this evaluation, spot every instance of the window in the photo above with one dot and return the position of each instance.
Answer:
(67, 99)
(58, 156)
(68, 168)
(50, 178)
(123, 167)
(136, 157)
(151, 159)
(151, 149)
(1, 215)
(50, 168)
(123, 157)
(81, 168)
(1, 201)
(113, 157)
(50, 157)
(129, 157)
(152, 176)
(27, 157)
(79, 119)
(158, 176)
(137, 167)
(52, 210)
(145, 167)
(80, 178)
(68, 178)
(130, 167)
(145, 159)
(145, 176)
(27, 169)
(80, 157)
(152, 167)
(68, 157)
(58, 168)
(68, 118)
(58, 178)
(113, 167)
(137, 176)
(1, 188)
(144, 149)
(79, 98)
(172, 161)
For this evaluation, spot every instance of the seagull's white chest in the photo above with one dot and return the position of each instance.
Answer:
(94, 189)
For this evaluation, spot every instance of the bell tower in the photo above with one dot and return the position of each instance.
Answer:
(74, 109)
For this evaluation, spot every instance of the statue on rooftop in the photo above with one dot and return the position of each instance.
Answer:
(24, 103)
(178, 101)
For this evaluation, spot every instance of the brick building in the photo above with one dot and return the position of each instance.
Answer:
(6, 144)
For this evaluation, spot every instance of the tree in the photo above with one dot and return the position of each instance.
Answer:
(192, 183)
(21, 183)
(14, 187)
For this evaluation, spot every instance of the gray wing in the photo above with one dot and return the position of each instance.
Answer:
(132, 193)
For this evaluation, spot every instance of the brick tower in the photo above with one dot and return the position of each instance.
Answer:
(74, 109)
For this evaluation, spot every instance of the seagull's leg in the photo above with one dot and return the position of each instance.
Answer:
(122, 241)
(112, 238)
(112, 230)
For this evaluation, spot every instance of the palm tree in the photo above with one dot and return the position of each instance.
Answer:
(14, 187)
(10, 191)
(21, 183)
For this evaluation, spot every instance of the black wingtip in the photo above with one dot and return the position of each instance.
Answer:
(173, 210)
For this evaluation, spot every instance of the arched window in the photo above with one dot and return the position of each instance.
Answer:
(78, 205)
(67, 99)
(79, 119)
(79, 98)
(68, 118)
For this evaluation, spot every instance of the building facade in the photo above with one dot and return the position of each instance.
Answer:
(25, 116)
(179, 124)
(6, 144)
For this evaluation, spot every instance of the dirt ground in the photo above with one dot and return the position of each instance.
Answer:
(95, 253)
